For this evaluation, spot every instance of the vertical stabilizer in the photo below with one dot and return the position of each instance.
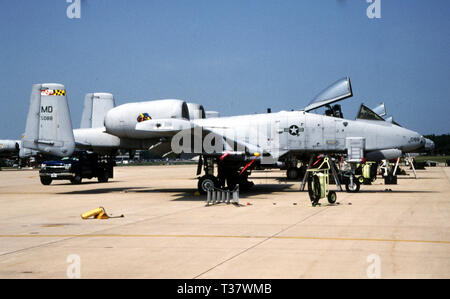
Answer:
(49, 128)
(96, 105)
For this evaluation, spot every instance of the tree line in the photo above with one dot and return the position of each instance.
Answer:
(441, 142)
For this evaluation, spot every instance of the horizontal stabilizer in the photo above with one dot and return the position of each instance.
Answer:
(212, 114)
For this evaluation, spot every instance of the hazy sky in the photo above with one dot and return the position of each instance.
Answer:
(232, 56)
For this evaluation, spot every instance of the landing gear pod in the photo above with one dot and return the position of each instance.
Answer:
(49, 128)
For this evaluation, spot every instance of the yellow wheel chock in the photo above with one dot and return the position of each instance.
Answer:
(98, 213)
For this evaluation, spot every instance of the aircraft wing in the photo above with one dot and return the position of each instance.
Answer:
(237, 147)
(162, 127)
(198, 139)
(337, 91)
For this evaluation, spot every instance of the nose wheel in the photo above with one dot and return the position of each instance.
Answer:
(352, 186)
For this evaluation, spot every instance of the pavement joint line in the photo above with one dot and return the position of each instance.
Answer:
(223, 237)
(445, 172)
(259, 243)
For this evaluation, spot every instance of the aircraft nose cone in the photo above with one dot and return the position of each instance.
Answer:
(429, 144)
(413, 141)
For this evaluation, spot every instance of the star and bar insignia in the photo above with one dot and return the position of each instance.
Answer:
(294, 130)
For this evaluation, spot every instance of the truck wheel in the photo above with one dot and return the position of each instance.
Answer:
(76, 180)
(103, 177)
(46, 180)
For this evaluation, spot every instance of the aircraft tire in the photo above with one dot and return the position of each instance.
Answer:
(245, 186)
(353, 189)
(206, 182)
(292, 173)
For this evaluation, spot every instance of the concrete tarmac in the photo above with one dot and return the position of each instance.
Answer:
(167, 232)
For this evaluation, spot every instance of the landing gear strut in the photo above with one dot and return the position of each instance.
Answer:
(294, 173)
(228, 175)
(350, 180)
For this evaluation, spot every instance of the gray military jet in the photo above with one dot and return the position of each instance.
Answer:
(233, 145)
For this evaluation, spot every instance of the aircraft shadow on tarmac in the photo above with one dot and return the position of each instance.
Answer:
(396, 191)
(186, 194)
(104, 190)
(261, 189)
(419, 178)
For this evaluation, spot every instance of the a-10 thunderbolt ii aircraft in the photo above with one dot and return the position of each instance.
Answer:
(232, 145)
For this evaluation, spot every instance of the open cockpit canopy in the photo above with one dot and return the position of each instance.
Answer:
(367, 113)
(337, 91)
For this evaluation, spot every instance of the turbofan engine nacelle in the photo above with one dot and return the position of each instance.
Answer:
(121, 120)
(387, 154)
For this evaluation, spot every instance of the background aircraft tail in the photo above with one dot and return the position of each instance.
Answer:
(49, 128)
(196, 111)
(96, 105)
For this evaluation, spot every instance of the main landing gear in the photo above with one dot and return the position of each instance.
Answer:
(294, 173)
(228, 175)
